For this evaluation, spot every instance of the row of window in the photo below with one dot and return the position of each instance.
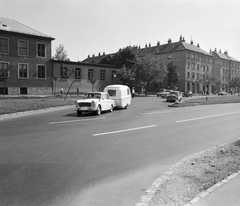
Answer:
(23, 47)
(197, 75)
(198, 57)
(77, 74)
(193, 66)
(23, 70)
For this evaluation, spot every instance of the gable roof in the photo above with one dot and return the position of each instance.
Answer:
(225, 56)
(11, 25)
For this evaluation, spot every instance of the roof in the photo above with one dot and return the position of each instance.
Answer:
(11, 25)
(225, 56)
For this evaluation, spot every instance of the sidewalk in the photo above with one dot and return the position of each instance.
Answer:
(227, 194)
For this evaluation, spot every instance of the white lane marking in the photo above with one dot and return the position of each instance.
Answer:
(124, 130)
(217, 115)
(81, 120)
(156, 112)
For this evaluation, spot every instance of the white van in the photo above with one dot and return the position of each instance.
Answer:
(121, 94)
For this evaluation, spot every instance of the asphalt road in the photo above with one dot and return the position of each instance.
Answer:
(58, 158)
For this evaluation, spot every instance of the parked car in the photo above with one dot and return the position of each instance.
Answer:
(121, 95)
(163, 93)
(95, 102)
(222, 93)
(174, 96)
(187, 94)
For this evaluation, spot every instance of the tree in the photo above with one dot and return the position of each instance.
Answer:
(173, 76)
(235, 83)
(126, 75)
(149, 71)
(215, 80)
(61, 53)
(4, 75)
(126, 56)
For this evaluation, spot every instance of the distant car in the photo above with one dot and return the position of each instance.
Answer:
(187, 94)
(174, 96)
(222, 93)
(164, 92)
(95, 102)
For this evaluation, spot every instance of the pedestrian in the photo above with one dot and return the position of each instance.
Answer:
(133, 92)
(61, 91)
(77, 90)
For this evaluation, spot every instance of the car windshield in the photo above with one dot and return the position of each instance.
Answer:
(92, 96)
(174, 92)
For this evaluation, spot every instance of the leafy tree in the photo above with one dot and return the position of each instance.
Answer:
(173, 76)
(149, 71)
(4, 75)
(61, 53)
(235, 83)
(126, 56)
(126, 75)
(215, 80)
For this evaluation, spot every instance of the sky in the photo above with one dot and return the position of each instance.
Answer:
(87, 27)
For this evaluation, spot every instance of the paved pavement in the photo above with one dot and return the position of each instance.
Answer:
(226, 192)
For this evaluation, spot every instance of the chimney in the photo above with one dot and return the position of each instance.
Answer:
(158, 43)
(191, 42)
(180, 39)
(226, 52)
(169, 41)
(220, 51)
(183, 39)
(198, 45)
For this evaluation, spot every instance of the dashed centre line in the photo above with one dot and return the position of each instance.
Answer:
(156, 112)
(80, 120)
(205, 117)
(124, 130)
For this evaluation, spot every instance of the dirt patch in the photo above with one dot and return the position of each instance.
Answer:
(196, 173)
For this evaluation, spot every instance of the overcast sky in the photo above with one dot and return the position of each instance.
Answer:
(92, 26)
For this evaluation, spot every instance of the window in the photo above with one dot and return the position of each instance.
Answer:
(193, 66)
(192, 56)
(22, 48)
(197, 76)
(169, 57)
(3, 45)
(90, 74)
(102, 74)
(197, 66)
(23, 71)
(193, 75)
(188, 75)
(41, 47)
(112, 92)
(78, 73)
(41, 72)
(3, 68)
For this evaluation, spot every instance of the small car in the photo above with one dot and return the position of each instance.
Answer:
(95, 102)
(222, 93)
(164, 92)
(174, 96)
(188, 94)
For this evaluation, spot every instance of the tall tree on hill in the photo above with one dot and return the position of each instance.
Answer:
(173, 76)
(149, 71)
(61, 53)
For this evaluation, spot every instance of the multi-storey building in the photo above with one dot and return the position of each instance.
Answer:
(226, 68)
(193, 63)
(28, 53)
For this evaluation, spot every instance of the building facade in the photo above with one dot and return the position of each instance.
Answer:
(27, 68)
(226, 68)
(78, 77)
(26, 53)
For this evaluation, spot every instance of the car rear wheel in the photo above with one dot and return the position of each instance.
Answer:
(99, 110)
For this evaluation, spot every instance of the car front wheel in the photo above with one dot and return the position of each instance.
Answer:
(98, 112)
(79, 113)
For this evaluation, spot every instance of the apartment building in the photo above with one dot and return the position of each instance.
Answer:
(226, 68)
(27, 53)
